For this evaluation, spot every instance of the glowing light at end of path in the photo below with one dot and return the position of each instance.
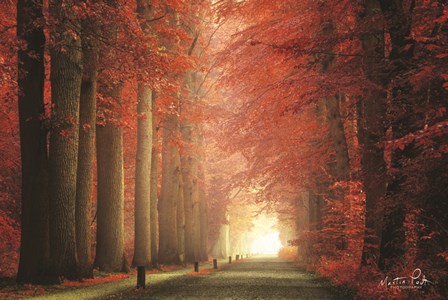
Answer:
(266, 244)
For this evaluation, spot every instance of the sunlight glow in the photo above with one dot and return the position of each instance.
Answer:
(267, 244)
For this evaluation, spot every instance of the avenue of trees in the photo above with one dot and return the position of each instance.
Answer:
(148, 132)
(336, 112)
(100, 84)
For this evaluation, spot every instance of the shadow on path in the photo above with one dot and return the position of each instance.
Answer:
(254, 278)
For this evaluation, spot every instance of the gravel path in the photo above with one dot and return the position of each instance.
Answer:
(253, 278)
(108, 290)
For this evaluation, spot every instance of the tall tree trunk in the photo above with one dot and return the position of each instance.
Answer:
(316, 202)
(181, 218)
(190, 192)
(86, 151)
(142, 242)
(315, 208)
(203, 211)
(327, 110)
(189, 161)
(34, 243)
(169, 251)
(66, 74)
(432, 199)
(320, 188)
(154, 211)
(339, 165)
(371, 131)
(168, 235)
(110, 203)
(221, 247)
(398, 24)
(302, 225)
(374, 174)
(110, 254)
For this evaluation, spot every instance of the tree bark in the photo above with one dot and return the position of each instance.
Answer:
(191, 196)
(339, 165)
(142, 241)
(371, 131)
(86, 151)
(34, 245)
(315, 205)
(203, 211)
(66, 73)
(302, 225)
(190, 162)
(393, 237)
(316, 199)
(110, 202)
(181, 218)
(169, 251)
(143, 186)
(154, 212)
(188, 190)
(110, 256)
(221, 247)
(168, 235)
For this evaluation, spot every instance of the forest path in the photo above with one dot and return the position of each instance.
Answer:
(108, 290)
(254, 278)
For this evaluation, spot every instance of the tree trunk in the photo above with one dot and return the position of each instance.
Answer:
(34, 251)
(339, 165)
(190, 162)
(190, 191)
(66, 74)
(302, 225)
(168, 235)
(110, 203)
(203, 212)
(371, 131)
(221, 247)
(86, 151)
(393, 237)
(181, 218)
(315, 206)
(142, 242)
(316, 200)
(110, 255)
(432, 198)
(154, 212)
(373, 173)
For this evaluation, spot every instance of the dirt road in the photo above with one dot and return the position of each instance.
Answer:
(253, 278)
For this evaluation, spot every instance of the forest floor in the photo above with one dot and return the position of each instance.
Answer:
(97, 288)
(261, 277)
